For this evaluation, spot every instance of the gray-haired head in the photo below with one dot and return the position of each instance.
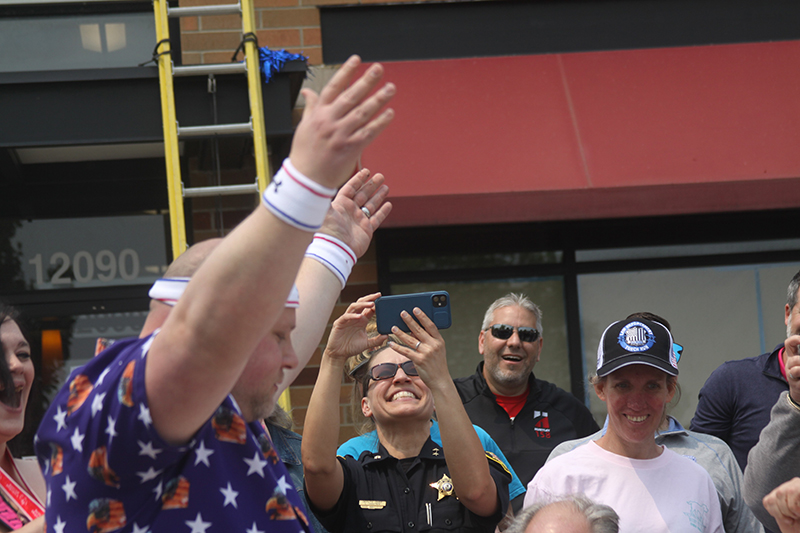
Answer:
(791, 294)
(599, 518)
(510, 299)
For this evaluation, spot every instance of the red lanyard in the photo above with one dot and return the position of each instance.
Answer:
(23, 499)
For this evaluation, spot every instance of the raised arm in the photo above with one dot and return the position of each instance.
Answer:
(239, 292)
(318, 285)
(323, 473)
(774, 459)
(465, 456)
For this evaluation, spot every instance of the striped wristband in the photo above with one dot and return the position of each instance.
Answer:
(296, 199)
(334, 254)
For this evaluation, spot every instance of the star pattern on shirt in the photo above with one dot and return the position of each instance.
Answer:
(256, 465)
(283, 485)
(197, 525)
(97, 403)
(203, 454)
(146, 476)
(254, 529)
(69, 489)
(147, 344)
(144, 416)
(60, 418)
(77, 440)
(59, 526)
(230, 496)
(111, 430)
(158, 489)
(148, 450)
(102, 376)
(139, 453)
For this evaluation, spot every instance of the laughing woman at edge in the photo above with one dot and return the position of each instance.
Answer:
(22, 486)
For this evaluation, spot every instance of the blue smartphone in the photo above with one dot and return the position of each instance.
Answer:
(435, 304)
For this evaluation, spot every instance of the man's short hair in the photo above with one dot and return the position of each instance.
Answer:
(601, 518)
(513, 299)
(791, 296)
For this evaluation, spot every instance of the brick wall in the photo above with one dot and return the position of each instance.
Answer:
(289, 24)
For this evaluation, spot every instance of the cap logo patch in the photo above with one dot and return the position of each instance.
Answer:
(636, 337)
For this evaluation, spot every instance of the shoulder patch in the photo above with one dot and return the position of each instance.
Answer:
(492, 457)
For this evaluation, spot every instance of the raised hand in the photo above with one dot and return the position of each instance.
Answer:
(348, 335)
(792, 363)
(783, 503)
(339, 123)
(345, 219)
(425, 346)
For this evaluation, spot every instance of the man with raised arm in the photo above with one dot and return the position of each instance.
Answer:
(164, 433)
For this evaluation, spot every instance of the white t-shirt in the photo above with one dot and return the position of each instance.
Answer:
(667, 494)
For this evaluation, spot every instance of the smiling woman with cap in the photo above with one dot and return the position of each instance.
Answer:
(652, 488)
(411, 483)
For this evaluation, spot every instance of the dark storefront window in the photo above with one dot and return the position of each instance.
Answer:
(723, 297)
(76, 280)
(43, 43)
(75, 253)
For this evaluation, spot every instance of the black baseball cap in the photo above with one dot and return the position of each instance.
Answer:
(636, 341)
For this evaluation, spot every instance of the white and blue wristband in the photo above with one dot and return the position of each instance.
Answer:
(296, 199)
(334, 254)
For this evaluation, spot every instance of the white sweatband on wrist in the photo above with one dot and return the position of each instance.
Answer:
(296, 199)
(334, 254)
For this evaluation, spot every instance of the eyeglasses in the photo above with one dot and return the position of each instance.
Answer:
(677, 349)
(504, 332)
(388, 370)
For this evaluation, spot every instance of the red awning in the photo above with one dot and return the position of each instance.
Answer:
(593, 135)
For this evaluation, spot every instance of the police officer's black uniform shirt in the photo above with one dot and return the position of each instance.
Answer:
(379, 494)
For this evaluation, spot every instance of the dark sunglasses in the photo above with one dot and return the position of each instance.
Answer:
(504, 332)
(388, 370)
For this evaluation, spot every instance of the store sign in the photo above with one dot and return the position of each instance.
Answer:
(84, 252)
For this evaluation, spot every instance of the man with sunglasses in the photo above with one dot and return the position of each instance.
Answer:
(526, 416)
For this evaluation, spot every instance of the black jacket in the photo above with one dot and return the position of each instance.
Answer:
(550, 416)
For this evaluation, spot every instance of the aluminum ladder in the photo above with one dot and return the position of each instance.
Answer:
(172, 130)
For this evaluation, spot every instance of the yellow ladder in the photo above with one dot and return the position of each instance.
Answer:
(172, 131)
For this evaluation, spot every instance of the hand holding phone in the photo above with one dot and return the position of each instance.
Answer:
(435, 304)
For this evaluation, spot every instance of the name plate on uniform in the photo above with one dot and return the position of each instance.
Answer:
(371, 504)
